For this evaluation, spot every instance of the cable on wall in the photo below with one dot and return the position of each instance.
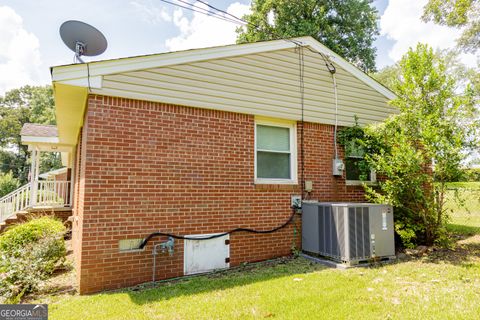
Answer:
(88, 78)
(336, 115)
(156, 234)
(301, 66)
(223, 15)
(331, 68)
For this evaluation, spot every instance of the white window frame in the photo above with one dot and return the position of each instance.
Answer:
(292, 126)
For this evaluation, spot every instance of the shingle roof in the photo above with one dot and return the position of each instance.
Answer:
(39, 130)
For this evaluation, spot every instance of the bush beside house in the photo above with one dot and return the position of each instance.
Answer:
(30, 252)
(418, 151)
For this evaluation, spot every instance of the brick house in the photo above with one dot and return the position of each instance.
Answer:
(200, 142)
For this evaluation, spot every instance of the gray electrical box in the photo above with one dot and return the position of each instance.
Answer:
(348, 232)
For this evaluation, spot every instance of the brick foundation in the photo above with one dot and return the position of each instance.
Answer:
(143, 167)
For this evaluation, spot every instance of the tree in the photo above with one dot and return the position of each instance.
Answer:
(422, 147)
(457, 13)
(462, 75)
(7, 183)
(347, 27)
(388, 75)
(28, 104)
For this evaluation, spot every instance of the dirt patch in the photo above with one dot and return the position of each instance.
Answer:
(465, 251)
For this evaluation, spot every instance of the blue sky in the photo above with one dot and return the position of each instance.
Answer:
(30, 42)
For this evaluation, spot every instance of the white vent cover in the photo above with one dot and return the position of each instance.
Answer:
(206, 255)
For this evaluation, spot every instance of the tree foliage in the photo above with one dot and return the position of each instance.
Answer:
(347, 27)
(388, 75)
(423, 146)
(28, 104)
(457, 13)
(7, 183)
(461, 74)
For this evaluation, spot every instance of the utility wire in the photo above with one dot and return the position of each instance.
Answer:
(328, 63)
(234, 19)
(191, 7)
(217, 13)
(224, 12)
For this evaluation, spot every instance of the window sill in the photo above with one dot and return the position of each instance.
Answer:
(359, 183)
(277, 187)
(276, 181)
(132, 250)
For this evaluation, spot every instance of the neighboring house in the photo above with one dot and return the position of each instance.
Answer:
(60, 174)
(48, 192)
(200, 142)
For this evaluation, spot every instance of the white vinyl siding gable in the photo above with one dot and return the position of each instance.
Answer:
(263, 84)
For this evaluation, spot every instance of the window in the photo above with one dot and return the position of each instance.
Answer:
(356, 173)
(275, 155)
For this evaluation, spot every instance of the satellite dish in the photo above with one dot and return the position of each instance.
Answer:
(83, 39)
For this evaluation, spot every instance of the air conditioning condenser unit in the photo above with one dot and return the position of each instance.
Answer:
(350, 233)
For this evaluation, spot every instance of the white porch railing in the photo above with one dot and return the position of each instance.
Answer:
(15, 201)
(53, 193)
(45, 193)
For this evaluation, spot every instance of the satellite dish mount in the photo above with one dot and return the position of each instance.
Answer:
(79, 50)
(83, 39)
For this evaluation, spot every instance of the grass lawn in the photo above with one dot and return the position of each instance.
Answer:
(445, 284)
(465, 219)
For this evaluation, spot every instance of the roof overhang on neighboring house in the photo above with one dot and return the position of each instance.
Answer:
(73, 83)
(45, 138)
(53, 173)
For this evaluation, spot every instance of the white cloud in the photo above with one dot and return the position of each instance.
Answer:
(204, 31)
(19, 52)
(151, 13)
(402, 23)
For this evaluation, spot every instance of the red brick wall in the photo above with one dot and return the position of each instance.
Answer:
(149, 166)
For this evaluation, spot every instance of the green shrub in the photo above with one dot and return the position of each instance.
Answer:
(8, 183)
(29, 253)
(423, 146)
(472, 175)
(29, 232)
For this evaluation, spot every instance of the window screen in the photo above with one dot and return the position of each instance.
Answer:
(273, 152)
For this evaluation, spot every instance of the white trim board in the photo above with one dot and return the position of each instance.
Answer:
(37, 139)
